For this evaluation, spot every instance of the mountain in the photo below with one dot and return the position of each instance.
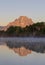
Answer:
(1, 27)
(22, 21)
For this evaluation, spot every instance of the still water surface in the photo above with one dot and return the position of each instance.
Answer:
(9, 57)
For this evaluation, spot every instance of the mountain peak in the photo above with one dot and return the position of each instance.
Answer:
(23, 17)
(22, 21)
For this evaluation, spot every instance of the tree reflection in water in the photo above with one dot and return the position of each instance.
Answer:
(26, 48)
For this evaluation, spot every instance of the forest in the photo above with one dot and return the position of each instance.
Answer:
(35, 30)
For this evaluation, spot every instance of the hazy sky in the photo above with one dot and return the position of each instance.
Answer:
(12, 9)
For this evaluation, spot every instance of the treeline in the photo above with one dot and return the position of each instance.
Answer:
(37, 29)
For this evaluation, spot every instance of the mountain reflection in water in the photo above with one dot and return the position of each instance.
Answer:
(26, 48)
(8, 57)
(22, 51)
(19, 48)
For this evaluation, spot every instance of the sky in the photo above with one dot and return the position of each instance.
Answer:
(12, 9)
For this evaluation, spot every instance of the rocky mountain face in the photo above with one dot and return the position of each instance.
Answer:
(22, 21)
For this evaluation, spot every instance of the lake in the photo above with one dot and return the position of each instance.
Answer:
(19, 51)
